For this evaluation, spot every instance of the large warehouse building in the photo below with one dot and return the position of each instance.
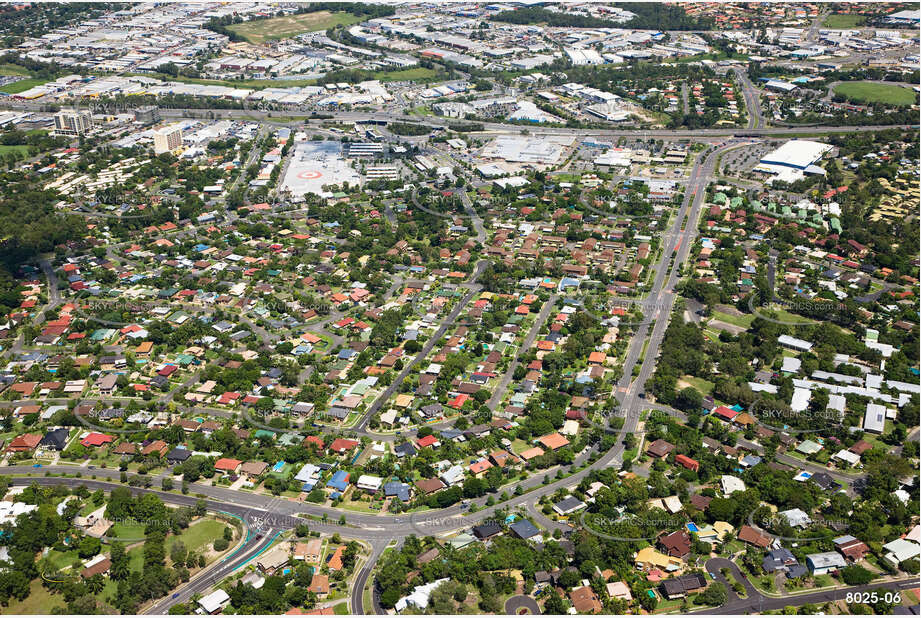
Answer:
(793, 160)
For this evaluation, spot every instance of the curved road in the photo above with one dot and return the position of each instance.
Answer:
(515, 604)
(757, 603)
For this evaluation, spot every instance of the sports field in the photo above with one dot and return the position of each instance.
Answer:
(263, 30)
(871, 92)
(22, 85)
(842, 21)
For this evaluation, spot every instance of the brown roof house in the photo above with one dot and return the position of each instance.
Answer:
(753, 537)
(677, 544)
(585, 601)
(660, 448)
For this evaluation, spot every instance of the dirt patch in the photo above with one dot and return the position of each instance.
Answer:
(729, 310)
(730, 328)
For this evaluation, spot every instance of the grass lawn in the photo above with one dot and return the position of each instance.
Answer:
(22, 85)
(201, 534)
(745, 320)
(700, 384)
(824, 581)
(341, 609)
(127, 532)
(416, 74)
(39, 601)
(869, 92)
(62, 559)
(263, 30)
(836, 20)
(136, 558)
(88, 508)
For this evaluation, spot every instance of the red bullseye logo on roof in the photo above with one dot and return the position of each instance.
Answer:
(309, 175)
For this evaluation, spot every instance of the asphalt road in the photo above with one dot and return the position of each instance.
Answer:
(257, 539)
(516, 604)
(211, 575)
(495, 126)
(500, 389)
(358, 586)
(752, 99)
(361, 116)
(757, 603)
(446, 323)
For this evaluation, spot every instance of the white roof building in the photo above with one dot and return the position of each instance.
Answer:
(874, 419)
(901, 550)
(453, 475)
(796, 517)
(796, 153)
(214, 601)
(369, 482)
(9, 511)
(847, 456)
(419, 597)
(793, 343)
(800, 400)
(731, 484)
(837, 403)
(791, 364)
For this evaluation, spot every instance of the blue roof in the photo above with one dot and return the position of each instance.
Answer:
(339, 481)
(569, 282)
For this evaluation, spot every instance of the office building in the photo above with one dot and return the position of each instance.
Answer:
(72, 122)
(167, 139)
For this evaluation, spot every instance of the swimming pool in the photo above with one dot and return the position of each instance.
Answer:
(692, 527)
(278, 466)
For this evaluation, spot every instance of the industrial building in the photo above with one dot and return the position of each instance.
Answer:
(545, 150)
(793, 160)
